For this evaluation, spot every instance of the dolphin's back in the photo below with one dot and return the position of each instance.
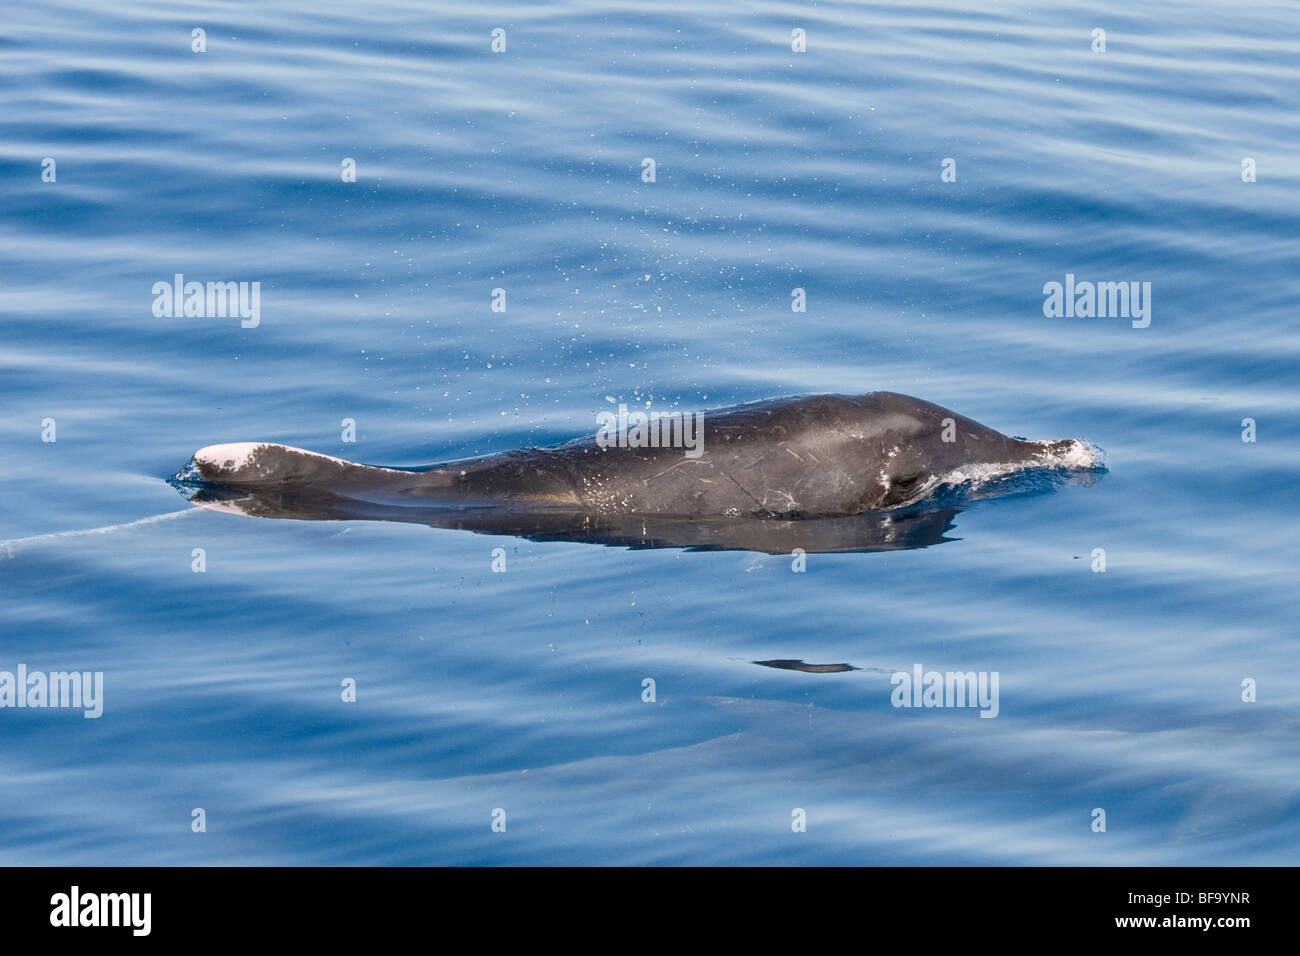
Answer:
(815, 455)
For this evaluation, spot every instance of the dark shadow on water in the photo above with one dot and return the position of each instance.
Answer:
(787, 665)
(918, 526)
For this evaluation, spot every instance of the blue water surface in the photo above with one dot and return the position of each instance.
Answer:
(775, 170)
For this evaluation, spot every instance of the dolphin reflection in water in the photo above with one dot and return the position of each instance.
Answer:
(824, 473)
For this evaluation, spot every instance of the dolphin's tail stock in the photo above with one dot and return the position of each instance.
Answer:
(261, 466)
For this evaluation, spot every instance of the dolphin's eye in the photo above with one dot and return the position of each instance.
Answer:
(901, 489)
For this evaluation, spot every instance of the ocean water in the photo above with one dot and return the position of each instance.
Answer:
(518, 696)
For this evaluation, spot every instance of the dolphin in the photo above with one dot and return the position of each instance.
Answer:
(860, 464)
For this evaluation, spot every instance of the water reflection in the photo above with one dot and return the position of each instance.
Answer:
(905, 529)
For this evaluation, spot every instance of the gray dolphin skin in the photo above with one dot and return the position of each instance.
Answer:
(850, 461)
(824, 455)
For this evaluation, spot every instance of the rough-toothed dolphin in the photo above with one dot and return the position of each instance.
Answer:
(781, 460)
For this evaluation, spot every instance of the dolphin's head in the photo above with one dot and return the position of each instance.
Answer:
(911, 447)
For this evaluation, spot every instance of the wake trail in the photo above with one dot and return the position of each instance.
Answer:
(11, 546)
